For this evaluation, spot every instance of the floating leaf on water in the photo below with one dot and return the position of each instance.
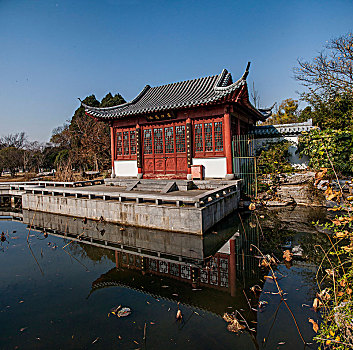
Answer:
(23, 329)
(123, 312)
(179, 316)
(95, 340)
(114, 310)
(234, 325)
(281, 343)
(262, 303)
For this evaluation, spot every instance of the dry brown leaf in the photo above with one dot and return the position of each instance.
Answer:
(317, 304)
(319, 175)
(287, 255)
(315, 325)
(339, 294)
(252, 206)
(268, 277)
(349, 291)
(341, 234)
(324, 295)
(330, 272)
(333, 195)
(348, 248)
(342, 283)
(328, 191)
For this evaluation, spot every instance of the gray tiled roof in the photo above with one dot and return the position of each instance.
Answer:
(282, 129)
(187, 93)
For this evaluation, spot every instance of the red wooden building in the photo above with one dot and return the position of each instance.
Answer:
(167, 129)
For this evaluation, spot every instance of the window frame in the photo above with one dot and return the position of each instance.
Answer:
(204, 153)
(123, 155)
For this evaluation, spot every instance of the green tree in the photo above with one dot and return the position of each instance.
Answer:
(110, 101)
(11, 159)
(287, 112)
(333, 112)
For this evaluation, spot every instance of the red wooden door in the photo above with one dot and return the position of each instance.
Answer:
(164, 150)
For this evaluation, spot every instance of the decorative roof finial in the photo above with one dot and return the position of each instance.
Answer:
(246, 73)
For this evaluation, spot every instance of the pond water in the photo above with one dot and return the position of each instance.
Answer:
(55, 298)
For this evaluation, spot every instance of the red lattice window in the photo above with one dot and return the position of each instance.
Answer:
(180, 138)
(218, 136)
(198, 138)
(208, 137)
(119, 139)
(147, 141)
(126, 143)
(133, 142)
(158, 140)
(169, 140)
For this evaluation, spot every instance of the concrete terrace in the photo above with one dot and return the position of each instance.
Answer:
(171, 205)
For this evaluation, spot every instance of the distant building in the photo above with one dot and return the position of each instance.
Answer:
(167, 129)
(270, 134)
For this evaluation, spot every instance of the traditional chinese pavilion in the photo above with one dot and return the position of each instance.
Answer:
(166, 129)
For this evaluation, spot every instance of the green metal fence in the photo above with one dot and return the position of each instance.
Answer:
(244, 163)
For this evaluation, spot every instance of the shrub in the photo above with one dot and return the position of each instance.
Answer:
(274, 158)
(339, 146)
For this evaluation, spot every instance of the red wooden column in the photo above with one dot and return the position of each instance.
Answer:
(116, 259)
(189, 141)
(232, 267)
(228, 145)
(139, 152)
(112, 148)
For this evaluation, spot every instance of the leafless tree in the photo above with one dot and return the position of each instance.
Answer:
(331, 72)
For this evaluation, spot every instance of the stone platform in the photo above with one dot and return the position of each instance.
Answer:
(178, 206)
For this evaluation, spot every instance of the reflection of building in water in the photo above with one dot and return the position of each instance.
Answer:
(213, 261)
(218, 271)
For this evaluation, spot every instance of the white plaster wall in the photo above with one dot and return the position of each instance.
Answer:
(294, 159)
(214, 167)
(125, 168)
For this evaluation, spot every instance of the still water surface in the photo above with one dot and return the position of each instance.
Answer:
(54, 298)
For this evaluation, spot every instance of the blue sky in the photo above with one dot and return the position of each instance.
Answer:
(52, 52)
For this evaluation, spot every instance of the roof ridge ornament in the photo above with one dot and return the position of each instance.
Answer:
(231, 87)
(246, 73)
